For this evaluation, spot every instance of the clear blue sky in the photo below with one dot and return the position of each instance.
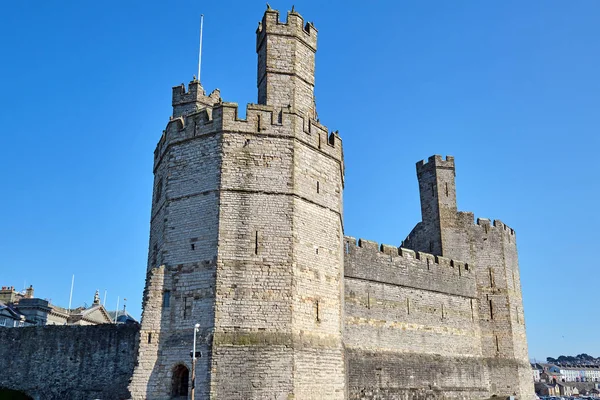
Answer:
(510, 88)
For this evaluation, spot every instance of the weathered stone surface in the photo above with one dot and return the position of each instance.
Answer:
(69, 362)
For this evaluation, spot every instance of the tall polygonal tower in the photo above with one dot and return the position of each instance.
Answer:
(246, 239)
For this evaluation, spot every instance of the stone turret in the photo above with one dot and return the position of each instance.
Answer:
(286, 62)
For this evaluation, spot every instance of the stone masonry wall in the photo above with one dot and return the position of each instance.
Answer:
(490, 248)
(69, 362)
(180, 286)
(412, 325)
(278, 308)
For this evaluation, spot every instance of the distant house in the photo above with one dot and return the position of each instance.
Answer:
(567, 390)
(12, 318)
(9, 295)
(550, 373)
(546, 389)
(536, 371)
(94, 315)
(122, 317)
(592, 373)
(36, 311)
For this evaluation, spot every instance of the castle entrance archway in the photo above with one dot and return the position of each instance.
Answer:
(179, 382)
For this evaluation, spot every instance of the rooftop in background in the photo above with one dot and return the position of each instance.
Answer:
(19, 309)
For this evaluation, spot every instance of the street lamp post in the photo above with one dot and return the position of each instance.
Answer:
(196, 329)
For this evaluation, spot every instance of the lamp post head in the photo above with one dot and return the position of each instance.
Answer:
(197, 326)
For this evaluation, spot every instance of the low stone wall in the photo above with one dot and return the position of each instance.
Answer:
(68, 362)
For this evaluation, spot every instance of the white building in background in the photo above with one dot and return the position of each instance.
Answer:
(571, 374)
(536, 372)
(592, 374)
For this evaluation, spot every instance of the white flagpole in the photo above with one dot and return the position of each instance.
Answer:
(71, 295)
(200, 52)
(117, 312)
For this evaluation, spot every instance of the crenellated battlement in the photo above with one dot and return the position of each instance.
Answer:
(293, 26)
(260, 120)
(487, 225)
(433, 162)
(458, 267)
(365, 259)
(467, 218)
(187, 102)
(195, 92)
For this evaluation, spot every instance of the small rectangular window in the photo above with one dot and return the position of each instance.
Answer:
(149, 337)
(159, 185)
(318, 316)
(256, 242)
(166, 298)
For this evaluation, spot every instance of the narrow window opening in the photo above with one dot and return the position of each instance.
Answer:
(317, 250)
(408, 306)
(491, 277)
(472, 311)
(446, 189)
(491, 310)
(428, 259)
(317, 186)
(150, 338)
(318, 316)
(258, 127)
(256, 242)
(166, 298)
(497, 344)
(466, 267)
(193, 246)
(185, 300)
(432, 191)
(347, 247)
(159, 185)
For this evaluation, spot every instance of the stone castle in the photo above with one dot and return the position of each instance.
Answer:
(247, 240)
